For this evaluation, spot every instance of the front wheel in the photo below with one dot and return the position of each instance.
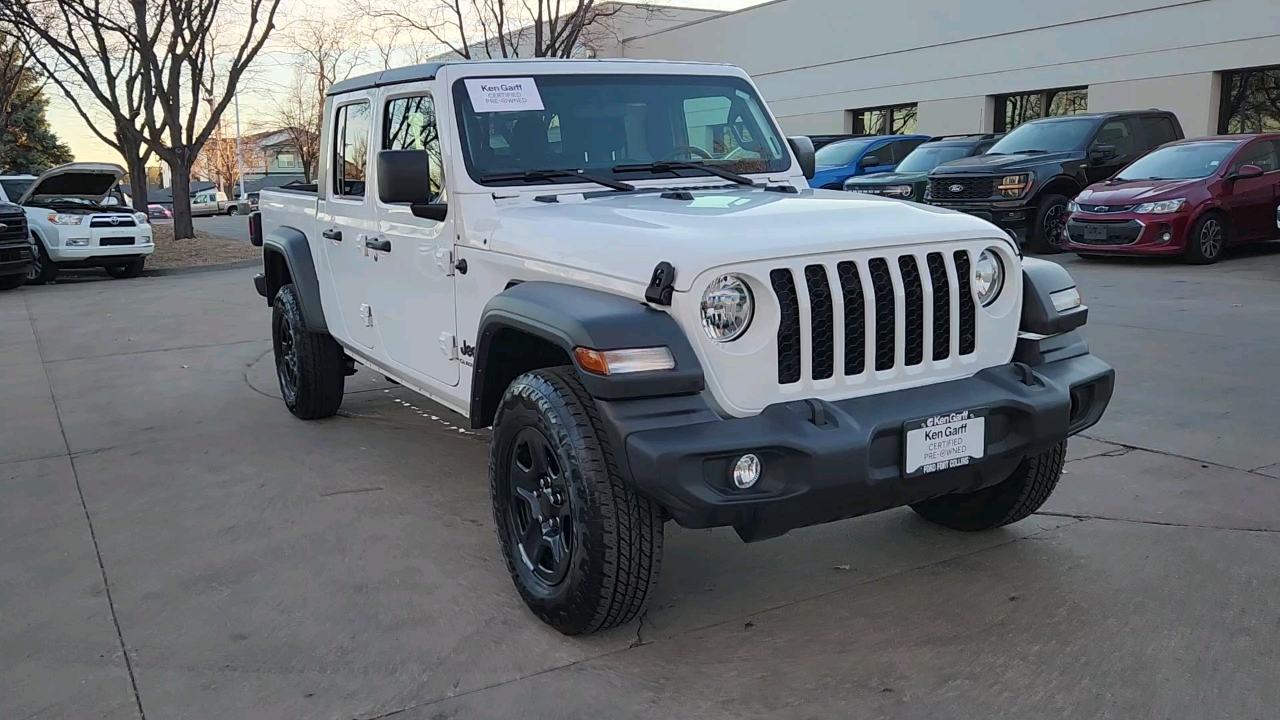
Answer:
(310, 365)
(1051, 219)
(125, 271)
(582, 547)
(1206, 240)
(1009, 501)
(41, 270)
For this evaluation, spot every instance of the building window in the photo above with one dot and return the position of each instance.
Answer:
(1250, 101)
(287, 160)
(895, 120)
(1013, 110)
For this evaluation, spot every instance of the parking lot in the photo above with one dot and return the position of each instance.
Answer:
(174, 544)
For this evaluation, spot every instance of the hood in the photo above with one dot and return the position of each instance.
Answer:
(86, 181)
(1002, 163)
(826, 176)
(1132, 192)
(889, 178)
(624, 235)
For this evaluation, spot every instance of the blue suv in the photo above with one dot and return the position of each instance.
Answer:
(842, 160)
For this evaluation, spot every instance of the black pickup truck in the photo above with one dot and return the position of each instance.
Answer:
(1024, 182)
(15, 247)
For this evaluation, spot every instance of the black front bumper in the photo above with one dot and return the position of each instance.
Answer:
(825, 461)
(1014, 216)
(15, 259)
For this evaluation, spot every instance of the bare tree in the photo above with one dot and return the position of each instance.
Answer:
(174, 57)
(298, 113)
(497, 28)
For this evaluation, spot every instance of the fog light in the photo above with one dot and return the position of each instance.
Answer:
(77, 242)
(1166, 233)
(746, 471)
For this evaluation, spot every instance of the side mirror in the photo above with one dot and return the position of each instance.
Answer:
(869, 161)
(803, 148)
(404, 178)
(1099, 154)
(1244, 172)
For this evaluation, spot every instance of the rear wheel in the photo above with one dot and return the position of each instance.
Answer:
(582, 547)
(1051, 218)
(233, 211)
(1019, 495)
(124, 271)
(41, 270)
(309, 365)
(1207, 239)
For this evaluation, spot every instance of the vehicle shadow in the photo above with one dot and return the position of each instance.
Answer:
(1233, 253)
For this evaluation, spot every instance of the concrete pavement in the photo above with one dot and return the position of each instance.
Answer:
(173, 544)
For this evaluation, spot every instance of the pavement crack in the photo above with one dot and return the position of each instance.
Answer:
(88, 517)
(148, 352)
(1159, 523)
(639, 639)
(352, 491)
(1129, 447)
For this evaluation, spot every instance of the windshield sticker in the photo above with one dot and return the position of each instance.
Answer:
(503, 94)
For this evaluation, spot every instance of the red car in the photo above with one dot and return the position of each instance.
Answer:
(1190, 198)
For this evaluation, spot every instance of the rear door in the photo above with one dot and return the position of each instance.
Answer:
(1251, 201)
(345, 216)
(413, 292)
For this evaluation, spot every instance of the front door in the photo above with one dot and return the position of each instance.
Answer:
(1119, 134)
(345, 218)
(1251, 201)
(414, 287)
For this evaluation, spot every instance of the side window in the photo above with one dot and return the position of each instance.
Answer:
(410, 124)
(1157, 130)
(884, 154)
(904, 148)
(350, 149)
(1118, 134)
(1261, 153)
(983, 146)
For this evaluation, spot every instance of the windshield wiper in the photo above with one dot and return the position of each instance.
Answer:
(671, 166)
(552, 173)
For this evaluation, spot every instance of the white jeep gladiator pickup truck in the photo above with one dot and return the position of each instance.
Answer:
(620, 267)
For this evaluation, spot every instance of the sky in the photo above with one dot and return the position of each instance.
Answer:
(273, 71)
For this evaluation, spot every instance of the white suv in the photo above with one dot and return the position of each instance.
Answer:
(76, 221)
(621, 268)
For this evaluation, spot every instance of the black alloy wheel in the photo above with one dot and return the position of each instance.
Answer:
(285, 336)
(539, 516)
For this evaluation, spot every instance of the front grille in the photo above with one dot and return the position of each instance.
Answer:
(1117, 232)
(1105, 209)
(115, 221)
(14, 230)
(962, 188)
(922, 327)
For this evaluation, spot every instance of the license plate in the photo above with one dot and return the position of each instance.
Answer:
(944, 441)
(109, 241)
(1095, 232)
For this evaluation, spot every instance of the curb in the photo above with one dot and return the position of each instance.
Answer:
(237, 265)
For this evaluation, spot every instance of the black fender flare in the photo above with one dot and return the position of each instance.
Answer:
(291, 245)
(1040, 279)
(569, 317)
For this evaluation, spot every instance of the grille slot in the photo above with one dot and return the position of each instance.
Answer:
(882, 288)
(913, 291)
(968, 319)
(933, 290)
(941, 306)
(962, 188)
(14, 231)
(855, 319)
(122, 221)
(784, 286)
(824, 348)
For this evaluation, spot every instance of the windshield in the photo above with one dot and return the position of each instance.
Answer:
(1050, 136)
(927, 157)
(596, 123)
(1179, 162)
(840, 154)
(14, 189)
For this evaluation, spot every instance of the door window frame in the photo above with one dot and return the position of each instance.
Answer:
(338, 135)
(384, 117)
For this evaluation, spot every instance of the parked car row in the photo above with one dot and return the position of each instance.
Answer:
(1097, 184)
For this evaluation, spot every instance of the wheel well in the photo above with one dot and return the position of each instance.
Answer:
(276, 270)
(1225, 216)
(510, 354)
(1061, 186)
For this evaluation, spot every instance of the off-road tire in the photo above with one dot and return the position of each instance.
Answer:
(44, 269)
(1198, 252)
(317, 361)
(616, 535)
(126, 271)
(1037, 239)
(12, 282)
(1009, 501)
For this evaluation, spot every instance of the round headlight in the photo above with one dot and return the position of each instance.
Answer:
(988, 277)
(727, 308)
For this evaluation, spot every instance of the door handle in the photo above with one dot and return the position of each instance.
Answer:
(375, 244)
(332, 234)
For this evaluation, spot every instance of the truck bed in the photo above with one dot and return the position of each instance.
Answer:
(290, 207)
